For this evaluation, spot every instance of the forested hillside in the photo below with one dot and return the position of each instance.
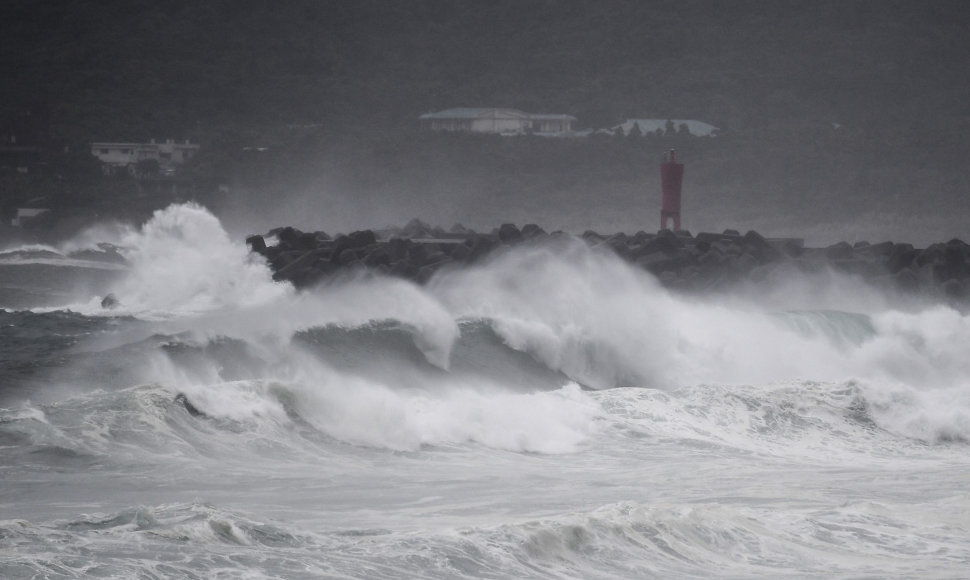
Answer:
(825, 107)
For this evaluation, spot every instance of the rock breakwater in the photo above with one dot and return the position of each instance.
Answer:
(706, 262)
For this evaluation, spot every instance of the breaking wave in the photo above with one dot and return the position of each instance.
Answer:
(525, 323)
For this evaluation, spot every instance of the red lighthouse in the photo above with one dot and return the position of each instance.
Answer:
(671, 177)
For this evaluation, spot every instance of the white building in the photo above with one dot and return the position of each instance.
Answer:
(115, 156)
(494, 120)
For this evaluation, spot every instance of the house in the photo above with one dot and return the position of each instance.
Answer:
(125, 156)
(552, 123)
(664, 126)
(496, 120)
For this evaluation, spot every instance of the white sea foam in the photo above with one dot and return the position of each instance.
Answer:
(577, 310)
(361, 411)
(376, 415)
(583, 312)
(182, 262)
(606, 324)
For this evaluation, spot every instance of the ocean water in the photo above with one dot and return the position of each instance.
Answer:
(549, 413)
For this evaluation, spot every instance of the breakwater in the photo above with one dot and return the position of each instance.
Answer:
(705, 262)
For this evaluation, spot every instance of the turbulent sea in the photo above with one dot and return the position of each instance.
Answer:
(549, 413)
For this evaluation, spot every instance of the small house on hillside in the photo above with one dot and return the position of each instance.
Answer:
(665, 127)
(495, 120)
(126, 156)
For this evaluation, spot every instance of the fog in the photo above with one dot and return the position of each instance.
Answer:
(835, 121)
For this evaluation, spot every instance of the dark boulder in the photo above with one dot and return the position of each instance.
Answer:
(294, 268)
(256, 243)
(312, 273)
(641, 237)
(418, 254)
(532, 231)
(417, 229)
(708, 238)
(425, 272)
(358, 239)
(279, 258)
(931, 255)
(743, 264)
(839, 251)
(348, 256)
(620, 245)
(461, 252)
(882, 249)
(292, 238)
(900, 256)
(433, 255)
(955, 257)
(281, 233)
(482, 245)
(790, 248)
(665, 241)
(183, 401)
(398, 248)
(109, 301)
(659, 262)
(403, 269)
(759, 248)
(728, 247)
(509, 234)
(363, 238)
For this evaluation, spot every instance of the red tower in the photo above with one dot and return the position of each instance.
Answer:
(671, 177)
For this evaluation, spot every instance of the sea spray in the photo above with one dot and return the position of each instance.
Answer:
(916, 373)
(346, 303)
(444, 410)
(357, 411)
(182, 262)
(575, 309)
(186, 273)
(96, 236)
(606, 324)
(350, 430)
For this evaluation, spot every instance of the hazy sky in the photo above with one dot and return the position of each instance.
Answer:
(835, 115)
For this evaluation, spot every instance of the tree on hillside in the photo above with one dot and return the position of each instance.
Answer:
(147, 168)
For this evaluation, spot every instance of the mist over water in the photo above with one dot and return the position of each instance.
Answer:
(548, 412)
(707, 207)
